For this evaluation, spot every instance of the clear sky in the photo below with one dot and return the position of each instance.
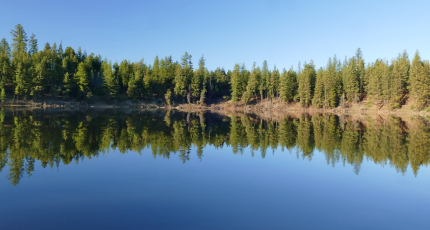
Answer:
(226, 32)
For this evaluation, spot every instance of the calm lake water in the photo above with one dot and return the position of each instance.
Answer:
(156, 170)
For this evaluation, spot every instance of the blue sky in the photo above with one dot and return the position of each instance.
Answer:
(226, 32)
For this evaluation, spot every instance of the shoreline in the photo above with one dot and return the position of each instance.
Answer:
(266, 108)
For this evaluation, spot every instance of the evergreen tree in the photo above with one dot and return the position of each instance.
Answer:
(350, 79)
(4, 47)
(274, 83)
(82, 79)
(332, 83)
(235, 81)
(419, 81)
(180, 82)
(376, 73)
(125, 72)
(197, 79)
(69, 65)
(68, 87)
(288, 85)
(5, 65)
(361, 72)
(147, 82)
(306, 82)
(399, 77)
(110, 82)
(183, 77)
(135, 82)
(265, 79)
(318, 99)
(239, 79)
(21, 81)
(33, 45)
(253, 83)
(19, 38)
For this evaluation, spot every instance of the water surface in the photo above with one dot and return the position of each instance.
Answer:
(157, 170)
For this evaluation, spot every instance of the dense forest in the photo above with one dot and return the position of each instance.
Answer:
(50, 138)
(28, 73)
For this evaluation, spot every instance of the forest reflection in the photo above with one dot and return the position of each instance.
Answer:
(27, 137)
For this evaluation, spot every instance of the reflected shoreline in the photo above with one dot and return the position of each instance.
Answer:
(50, 137)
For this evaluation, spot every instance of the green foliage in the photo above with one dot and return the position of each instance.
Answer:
(306, 83)
(26, 72)
(33, 45)
(168, 97)
(419, 78)
(318, 99)
(2, 95)
(19, 45)
(377, 86)
(110, 80)
(82, 78)
(252, 87)
(274, 84)
(351, 79)
(399, 79)
(264, 80)
(332, 83)
(288, 85)
(239, 79)
(50, 138)
(197, 80)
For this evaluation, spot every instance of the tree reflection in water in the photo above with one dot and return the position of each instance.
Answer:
(30, 137)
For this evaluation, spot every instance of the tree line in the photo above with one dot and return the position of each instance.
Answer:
(27, 138)
(29, 73)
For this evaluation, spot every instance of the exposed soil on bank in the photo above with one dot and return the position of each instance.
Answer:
(275, 110)
(266, 109)
(71, 105)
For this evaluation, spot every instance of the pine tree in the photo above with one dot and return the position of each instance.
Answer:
(332, 83)
(318, 99)
(386, 83)
(235, 81)
(69, 65)
(40, 73)
(361, 72)
(288, 85)
(183, 77)
(33, 45)
(350, 79)
(82, 79)
(197, 79)
(253, 83)
(68, 87)
(265, 79)
(306, 82)
(419, 82)
(5, 65)
(125, 72)
(274, 83)
(147, 82)
(180, 82)
(19, 38)
(20, 80)
(375, 77)
(110, 82)
(399, 77)
(4, 47)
